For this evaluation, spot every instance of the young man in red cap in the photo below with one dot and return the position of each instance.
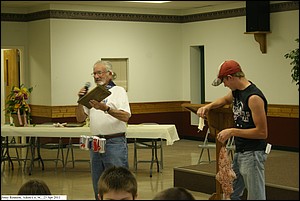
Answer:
(250, 130)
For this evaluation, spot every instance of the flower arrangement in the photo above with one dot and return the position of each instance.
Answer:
(17, 102)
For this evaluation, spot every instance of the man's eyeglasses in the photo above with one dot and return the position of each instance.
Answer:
(98, 73)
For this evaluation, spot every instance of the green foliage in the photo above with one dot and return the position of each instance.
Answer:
(294, 56)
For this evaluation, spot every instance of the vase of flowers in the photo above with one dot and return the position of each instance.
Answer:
(17, 105)
(16, 120)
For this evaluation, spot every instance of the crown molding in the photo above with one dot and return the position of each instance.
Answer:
(83, 15)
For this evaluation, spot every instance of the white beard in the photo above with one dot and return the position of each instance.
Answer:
(101, 83)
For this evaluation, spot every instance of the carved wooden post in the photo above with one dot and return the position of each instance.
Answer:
(219, 119)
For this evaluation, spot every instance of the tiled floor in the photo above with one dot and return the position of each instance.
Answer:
(76, 182)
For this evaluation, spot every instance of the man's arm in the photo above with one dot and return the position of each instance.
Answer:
(202, 112)
(257, 107)
(260, 131)
(80, 114)
(119, 114)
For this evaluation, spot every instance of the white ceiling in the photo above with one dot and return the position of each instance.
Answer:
(172, 5)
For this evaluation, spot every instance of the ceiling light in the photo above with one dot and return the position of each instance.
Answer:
(149, 1)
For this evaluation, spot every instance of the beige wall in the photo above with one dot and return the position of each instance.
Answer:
(153, 50)
(225, 39)
(40, 68)
(59, 55)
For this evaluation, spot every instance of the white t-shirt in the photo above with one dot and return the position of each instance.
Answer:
(105, 124)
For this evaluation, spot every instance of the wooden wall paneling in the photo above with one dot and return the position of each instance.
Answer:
(283, 125)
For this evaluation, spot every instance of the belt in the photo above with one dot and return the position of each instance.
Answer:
(112, 135)
(244, 150)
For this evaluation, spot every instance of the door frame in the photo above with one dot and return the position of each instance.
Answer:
(21, 76)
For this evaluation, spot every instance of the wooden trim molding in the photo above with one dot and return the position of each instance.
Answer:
(282, 119)
(274, 110)
(136, 108)
(53, 111)
(156, 107)
(291, 111)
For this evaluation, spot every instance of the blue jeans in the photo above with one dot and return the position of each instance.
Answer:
(116, 154)
(249, 168)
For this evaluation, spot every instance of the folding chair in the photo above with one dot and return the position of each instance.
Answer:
(7, 145)
(206, 145)
(230, 147)
(70, 147)
(153, 145)
(60, 151)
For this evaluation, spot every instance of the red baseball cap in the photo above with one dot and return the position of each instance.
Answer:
(228, 67)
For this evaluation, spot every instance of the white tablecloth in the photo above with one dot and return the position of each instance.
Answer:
(164, 131)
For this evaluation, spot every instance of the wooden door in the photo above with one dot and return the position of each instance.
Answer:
(11, 59)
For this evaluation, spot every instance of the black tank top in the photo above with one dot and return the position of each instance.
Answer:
(243, 118)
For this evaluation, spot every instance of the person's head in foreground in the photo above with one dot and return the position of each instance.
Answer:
(117, 183)
(174, 193)
(230, 73)
(34, 187)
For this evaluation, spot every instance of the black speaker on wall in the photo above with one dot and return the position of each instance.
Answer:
(257, 16)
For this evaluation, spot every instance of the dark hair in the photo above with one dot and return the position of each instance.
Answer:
(34, 187)
(117, 179)
(174, 193)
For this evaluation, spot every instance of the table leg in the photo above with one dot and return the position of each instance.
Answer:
(156, 158)
(35, 145)
(152, 157)
(135, 155)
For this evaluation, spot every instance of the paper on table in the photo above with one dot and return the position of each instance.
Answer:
(201, 123)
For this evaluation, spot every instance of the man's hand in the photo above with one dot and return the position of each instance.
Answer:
(98, 105)
(224, 135)
(82, 92)
(202, 112)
